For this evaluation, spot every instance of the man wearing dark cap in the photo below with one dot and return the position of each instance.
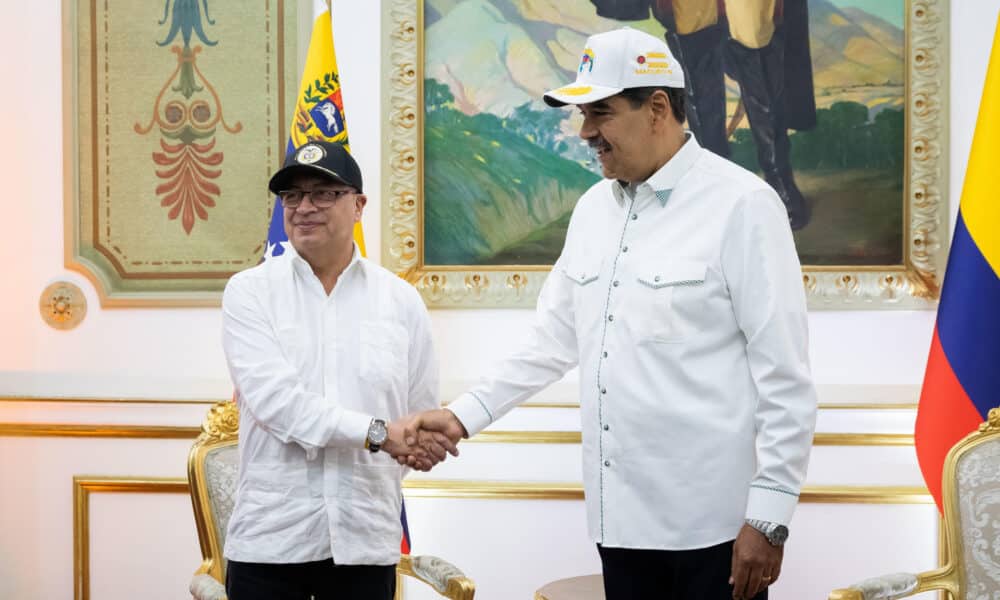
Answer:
(328, 352)
(678, 294)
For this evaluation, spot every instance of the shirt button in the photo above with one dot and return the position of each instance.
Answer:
(607, 463)
(605, 354)
(624, 248)
(615, 283)
(611, 317)
(634, 216)
(657, 278)
(604, 390)
(607, 427)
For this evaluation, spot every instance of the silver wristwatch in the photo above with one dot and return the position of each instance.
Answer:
(377, 434)
(776, 534)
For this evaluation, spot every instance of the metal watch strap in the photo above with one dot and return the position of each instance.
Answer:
(769, 530)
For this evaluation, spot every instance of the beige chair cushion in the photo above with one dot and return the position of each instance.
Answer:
(221, 472)
(978, 474)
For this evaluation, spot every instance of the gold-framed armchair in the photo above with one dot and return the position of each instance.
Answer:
(971, 498)
(213, 464)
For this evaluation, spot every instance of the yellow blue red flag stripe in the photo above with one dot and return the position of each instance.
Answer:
(962, 380)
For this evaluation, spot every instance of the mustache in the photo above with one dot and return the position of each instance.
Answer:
(598, 143)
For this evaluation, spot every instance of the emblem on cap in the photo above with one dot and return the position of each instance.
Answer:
(587, 61)
(309, 154)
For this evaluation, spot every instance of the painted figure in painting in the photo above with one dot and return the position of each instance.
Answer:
(764, 47)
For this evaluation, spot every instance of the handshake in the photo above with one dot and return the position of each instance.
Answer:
(424, 439)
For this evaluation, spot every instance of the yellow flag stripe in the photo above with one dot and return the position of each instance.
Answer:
(980, 200)
(320, 60)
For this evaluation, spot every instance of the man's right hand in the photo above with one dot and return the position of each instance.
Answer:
(424, 439)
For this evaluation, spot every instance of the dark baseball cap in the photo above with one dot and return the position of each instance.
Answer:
(329, 159)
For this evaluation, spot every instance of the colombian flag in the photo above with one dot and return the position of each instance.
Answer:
(319, 114)
(962, 381)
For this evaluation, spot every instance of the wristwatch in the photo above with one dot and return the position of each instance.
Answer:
(776, 534)
(377, 434)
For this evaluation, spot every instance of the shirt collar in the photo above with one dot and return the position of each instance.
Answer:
(665, 179)
(304, 268)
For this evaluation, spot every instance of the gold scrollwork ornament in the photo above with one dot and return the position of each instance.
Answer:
(62, 305)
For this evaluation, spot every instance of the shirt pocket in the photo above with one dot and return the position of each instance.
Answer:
(375, 503)
(661, 289)
(587, 295)
(583, 271)
(384, 353)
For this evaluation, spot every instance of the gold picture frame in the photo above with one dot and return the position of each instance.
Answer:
(914, 283)
(167, 148)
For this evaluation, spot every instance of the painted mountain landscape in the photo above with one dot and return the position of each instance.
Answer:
(502, 171)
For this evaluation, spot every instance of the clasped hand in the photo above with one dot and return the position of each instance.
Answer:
(422, 440)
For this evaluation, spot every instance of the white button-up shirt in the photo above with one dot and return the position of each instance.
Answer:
(311, 370)
(683, 306)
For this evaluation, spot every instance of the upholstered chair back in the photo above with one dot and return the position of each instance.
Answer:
(977, 499)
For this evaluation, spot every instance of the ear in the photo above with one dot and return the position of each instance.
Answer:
(659, 105)
(360, 200)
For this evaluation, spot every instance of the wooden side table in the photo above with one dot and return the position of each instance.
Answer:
(587, 587)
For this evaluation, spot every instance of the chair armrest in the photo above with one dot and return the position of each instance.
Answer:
(206, 587)
(446, 578)
(886, 587)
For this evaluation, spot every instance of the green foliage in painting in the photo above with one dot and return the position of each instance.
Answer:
(490, 186)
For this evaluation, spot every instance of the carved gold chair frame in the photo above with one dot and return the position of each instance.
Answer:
(221, 428)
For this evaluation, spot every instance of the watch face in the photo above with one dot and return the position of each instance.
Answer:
(377, 433)
(779, 535)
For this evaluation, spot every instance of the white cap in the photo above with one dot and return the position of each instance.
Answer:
(617, 60)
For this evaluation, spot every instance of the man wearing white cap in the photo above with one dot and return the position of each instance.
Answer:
(679, 295)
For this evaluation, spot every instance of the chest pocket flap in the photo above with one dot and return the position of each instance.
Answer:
(582, 271)
(675, 273)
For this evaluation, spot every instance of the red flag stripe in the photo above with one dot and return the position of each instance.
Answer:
(946, 415)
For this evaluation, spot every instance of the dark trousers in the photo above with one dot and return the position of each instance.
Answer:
(701, 574)
(320, 580)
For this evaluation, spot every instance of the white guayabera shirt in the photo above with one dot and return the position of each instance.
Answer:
(683, 305)
(311, 371)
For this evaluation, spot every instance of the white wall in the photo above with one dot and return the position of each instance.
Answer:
(174, 353)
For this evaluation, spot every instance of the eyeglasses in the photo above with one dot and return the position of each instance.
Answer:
(321, 197)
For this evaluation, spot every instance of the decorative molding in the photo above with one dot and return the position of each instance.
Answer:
(82, 488)
(97, 400)
(913, 284)
(62, 305)
(485, 437)
(568, 405)
(163, 432)
(863, 439)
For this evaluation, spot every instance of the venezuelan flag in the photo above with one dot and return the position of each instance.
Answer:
(962, 381)
(319, 113)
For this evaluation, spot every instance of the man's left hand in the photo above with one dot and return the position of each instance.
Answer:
(756, 563)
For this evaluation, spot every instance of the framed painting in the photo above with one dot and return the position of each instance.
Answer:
(174, 119)
(480, 177)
